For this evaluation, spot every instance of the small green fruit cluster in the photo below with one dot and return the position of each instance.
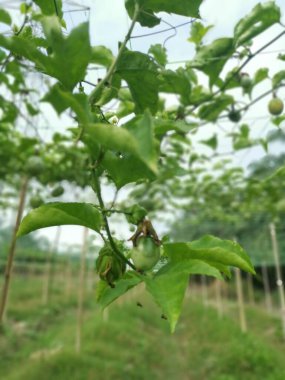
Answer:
(108, 266)
(145, 254)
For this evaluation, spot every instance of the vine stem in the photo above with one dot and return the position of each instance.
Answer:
(97, 188)
(11, 253)
(112, 68)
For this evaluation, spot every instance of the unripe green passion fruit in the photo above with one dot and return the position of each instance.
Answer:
(35, 166)
(108, 266)
(57, 191)
(245, 82)
(234, 116)
(275, 106)
(36, 201)
(146, 254)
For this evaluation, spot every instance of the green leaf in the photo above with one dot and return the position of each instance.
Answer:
(211, 58)
(168, 291)
(26, 48)
(112, 137)
(260, 75)
(175, 82)
(148, 8)
(109, 91)
(261, 18)
(159, 53)
(211, 142)
(278, 78)
(31, 109)
(200, 95)
(61, 100)
(141, 127)
(108, 295)
(101, 55)
(212, 110)
(198, 32)
(190, 267)
(136, 138)
(140, 73)
(126, 169)
(135, 214)
(125, 108)
(70, 56)
(59, 214)
(211, 250)
(281, 57)
(162, 126)
(49, 7)
(5, 17)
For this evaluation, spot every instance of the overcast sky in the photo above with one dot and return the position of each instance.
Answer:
(109, 24)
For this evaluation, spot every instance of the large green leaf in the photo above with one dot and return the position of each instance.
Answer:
(261, 18)
(107, 295)
(211, 250)
(189, 8)
(59, 214)
(169, 285)
(211, 58)
(168, 291)
(70, 55)
(136, 138)
(141, 74)
(112, 137)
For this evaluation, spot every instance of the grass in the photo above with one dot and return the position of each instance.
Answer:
(134, 343)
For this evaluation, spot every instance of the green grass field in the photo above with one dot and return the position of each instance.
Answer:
(133, 342)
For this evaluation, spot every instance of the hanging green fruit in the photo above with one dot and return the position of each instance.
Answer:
(145, 254)
(57, 191)
(275, 106)
(109, 267)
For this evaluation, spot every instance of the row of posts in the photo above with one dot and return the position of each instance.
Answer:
(249, 280)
